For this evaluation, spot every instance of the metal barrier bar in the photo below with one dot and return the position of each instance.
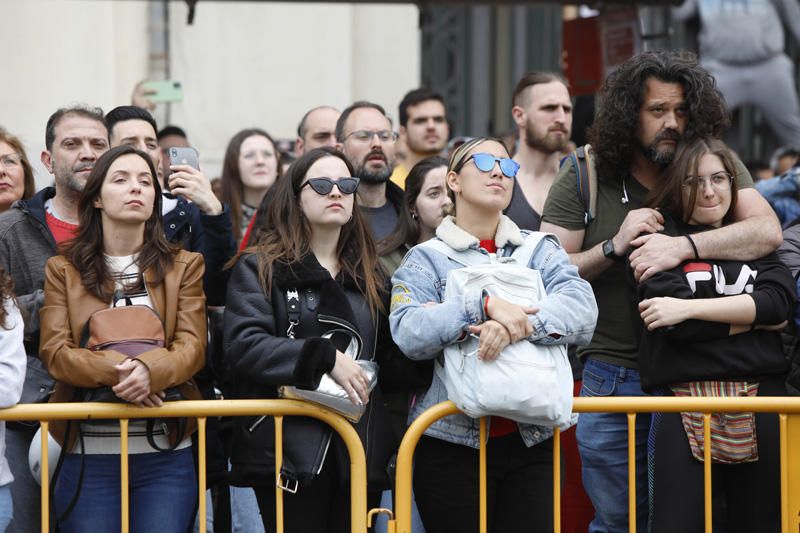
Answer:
(783, 406)
(44, 477)
(482, 475)
(200, 409)
(632, 472)
(631, 406)
(201, 474)
(405, 456)
(784, 433)
(123, 461)
(556, 480)
(707, 472)
(278, 466)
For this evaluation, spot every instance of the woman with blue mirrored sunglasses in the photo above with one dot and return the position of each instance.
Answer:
(520, 456)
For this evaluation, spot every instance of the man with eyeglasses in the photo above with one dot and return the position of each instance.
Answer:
(364, 134)
(423, 123)
(317, 128)
(651, 103)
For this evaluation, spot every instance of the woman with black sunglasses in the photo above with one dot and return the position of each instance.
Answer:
(306, 291)
(519, 456)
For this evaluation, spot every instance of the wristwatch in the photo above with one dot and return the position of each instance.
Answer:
(608, 250)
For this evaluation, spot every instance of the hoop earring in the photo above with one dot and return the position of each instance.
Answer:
(414, 216)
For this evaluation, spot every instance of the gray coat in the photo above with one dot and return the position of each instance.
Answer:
(25, 246)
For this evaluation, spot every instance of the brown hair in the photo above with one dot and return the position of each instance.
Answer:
(520, 96)
(407, 230)
(668, 194)
(14, 142)
(86, 250)
(232, 187)
(290, 236)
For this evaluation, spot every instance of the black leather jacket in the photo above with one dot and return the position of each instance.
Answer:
(260, 358)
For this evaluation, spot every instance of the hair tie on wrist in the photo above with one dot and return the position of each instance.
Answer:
(694, 246)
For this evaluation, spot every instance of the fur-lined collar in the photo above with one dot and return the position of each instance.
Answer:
(308, 273)
(459, 240)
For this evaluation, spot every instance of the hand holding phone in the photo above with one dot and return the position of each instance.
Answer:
(187, 180)
(163, 91)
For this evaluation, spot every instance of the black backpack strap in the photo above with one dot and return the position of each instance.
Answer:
(292, 311)
(578, 158)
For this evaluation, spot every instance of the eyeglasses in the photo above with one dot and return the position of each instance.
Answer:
(10, 161)
(485, 163)
(720, 181)
(324, 186)
(365, 136)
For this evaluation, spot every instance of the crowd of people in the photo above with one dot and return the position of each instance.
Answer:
(662, 269)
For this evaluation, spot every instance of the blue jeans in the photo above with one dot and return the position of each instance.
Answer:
(245, 516)
(6, 507)
(162, 488)
(603, 445)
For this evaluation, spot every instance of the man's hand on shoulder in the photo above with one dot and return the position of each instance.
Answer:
(193, 185)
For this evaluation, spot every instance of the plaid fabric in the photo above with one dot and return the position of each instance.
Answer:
(733, 435)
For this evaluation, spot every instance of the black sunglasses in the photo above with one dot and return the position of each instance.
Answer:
(324, 186)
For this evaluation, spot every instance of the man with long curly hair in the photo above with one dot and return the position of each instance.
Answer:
(646, 107)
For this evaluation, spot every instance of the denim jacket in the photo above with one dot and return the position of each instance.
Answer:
(781, 192)
(567, 315)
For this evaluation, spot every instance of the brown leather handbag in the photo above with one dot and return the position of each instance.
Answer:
(130, 330)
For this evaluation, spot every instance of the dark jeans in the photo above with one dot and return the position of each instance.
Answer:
(162, 490)
(750, 491)
(603, 445)
(519, 485)
(322, 506)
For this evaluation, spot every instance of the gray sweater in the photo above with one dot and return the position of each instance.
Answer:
(742, 31)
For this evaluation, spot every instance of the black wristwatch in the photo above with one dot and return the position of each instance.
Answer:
(608, 250)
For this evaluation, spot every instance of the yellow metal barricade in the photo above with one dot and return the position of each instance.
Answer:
(200, 410)
(787, 408)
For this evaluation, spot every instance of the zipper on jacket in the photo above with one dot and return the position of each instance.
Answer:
(369, 407)
(255, 423)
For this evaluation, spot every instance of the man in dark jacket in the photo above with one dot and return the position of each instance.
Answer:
(29, 233)
(194, 217)
(364, 134)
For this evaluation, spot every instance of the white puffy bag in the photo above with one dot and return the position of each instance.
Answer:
(529, 382)
(35, 456)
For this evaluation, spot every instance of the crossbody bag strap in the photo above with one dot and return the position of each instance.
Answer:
(292, 311)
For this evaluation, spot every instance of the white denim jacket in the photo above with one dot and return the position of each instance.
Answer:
(567, 315)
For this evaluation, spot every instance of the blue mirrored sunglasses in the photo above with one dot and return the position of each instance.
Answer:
(485, 163)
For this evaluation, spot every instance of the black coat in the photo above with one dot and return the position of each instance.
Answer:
(260, 358)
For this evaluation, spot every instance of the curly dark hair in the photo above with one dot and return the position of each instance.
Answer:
(614, 132)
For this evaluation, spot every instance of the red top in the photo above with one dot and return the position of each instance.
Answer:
(248, 231)
(62, 231)
(499, 427)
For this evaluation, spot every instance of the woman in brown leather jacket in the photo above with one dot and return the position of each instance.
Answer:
(120, 257)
